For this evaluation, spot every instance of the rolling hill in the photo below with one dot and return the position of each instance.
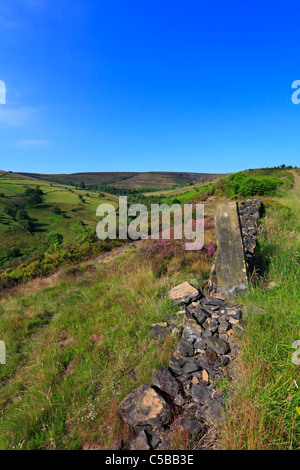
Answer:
(63, 209)
(129, 180)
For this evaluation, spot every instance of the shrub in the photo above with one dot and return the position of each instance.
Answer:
(11, 211)
(22, 215)
(243, 185)
(54, 240)
(43, 264)
(161, 252)
(27, 225)
(34, 199)
(57, 211)
(13, 253)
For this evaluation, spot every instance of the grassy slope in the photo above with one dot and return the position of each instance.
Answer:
(263, 414)
(12, 235)
(71, 341)
(61, 386)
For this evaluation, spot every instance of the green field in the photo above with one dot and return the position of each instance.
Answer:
(66, 198)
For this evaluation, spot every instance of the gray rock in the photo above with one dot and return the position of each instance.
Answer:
(194, 427)
(140, 442)
(184, 349)
(225, 360)
(217, 345)
(223, 337)
(153, 438)
(200, 392)
(144, 407)
(200, 344)
(165, 382)
(184, 426)
(213, 326)
(184, 294)
(179, 400)
(175, 365)
(238, 328)
(189, 335)
(210, 359)
(190, 367)
(216, 302)
(158, 332)
(223, 327)
(190, 322)
(206, 334)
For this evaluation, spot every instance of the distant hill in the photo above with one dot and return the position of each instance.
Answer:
(130, 180)
(87, 178)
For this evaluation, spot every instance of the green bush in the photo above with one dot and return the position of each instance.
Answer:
(34, 199)
(43, 264)
(242, 185)
(54, 241)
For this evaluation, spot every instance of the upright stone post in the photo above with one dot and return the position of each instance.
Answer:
(230, 272)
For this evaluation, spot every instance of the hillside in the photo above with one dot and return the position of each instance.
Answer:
(92, 178)
(63, 209)
(149, 180)
(78, 340)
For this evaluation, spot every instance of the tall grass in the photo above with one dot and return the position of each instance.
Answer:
(70, 347)
(262, 413)
(72, 341)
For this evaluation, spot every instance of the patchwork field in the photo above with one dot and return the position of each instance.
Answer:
(60, 210)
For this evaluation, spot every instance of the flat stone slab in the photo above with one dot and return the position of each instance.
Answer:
(184, 294)
(144, 407)
(230, 266)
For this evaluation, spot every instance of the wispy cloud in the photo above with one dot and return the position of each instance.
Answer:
(32, 143)
(16, 117)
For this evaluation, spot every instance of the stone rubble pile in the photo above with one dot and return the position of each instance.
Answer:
(182, 397)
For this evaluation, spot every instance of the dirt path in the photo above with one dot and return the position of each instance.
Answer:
(109, 255)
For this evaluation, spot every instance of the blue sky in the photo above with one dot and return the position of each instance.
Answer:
(131, 85)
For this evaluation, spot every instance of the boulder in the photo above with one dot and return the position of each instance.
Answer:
(144, 407)
(184, 294)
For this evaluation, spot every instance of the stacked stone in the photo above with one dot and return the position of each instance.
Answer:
(250, 212)
(182, 396)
